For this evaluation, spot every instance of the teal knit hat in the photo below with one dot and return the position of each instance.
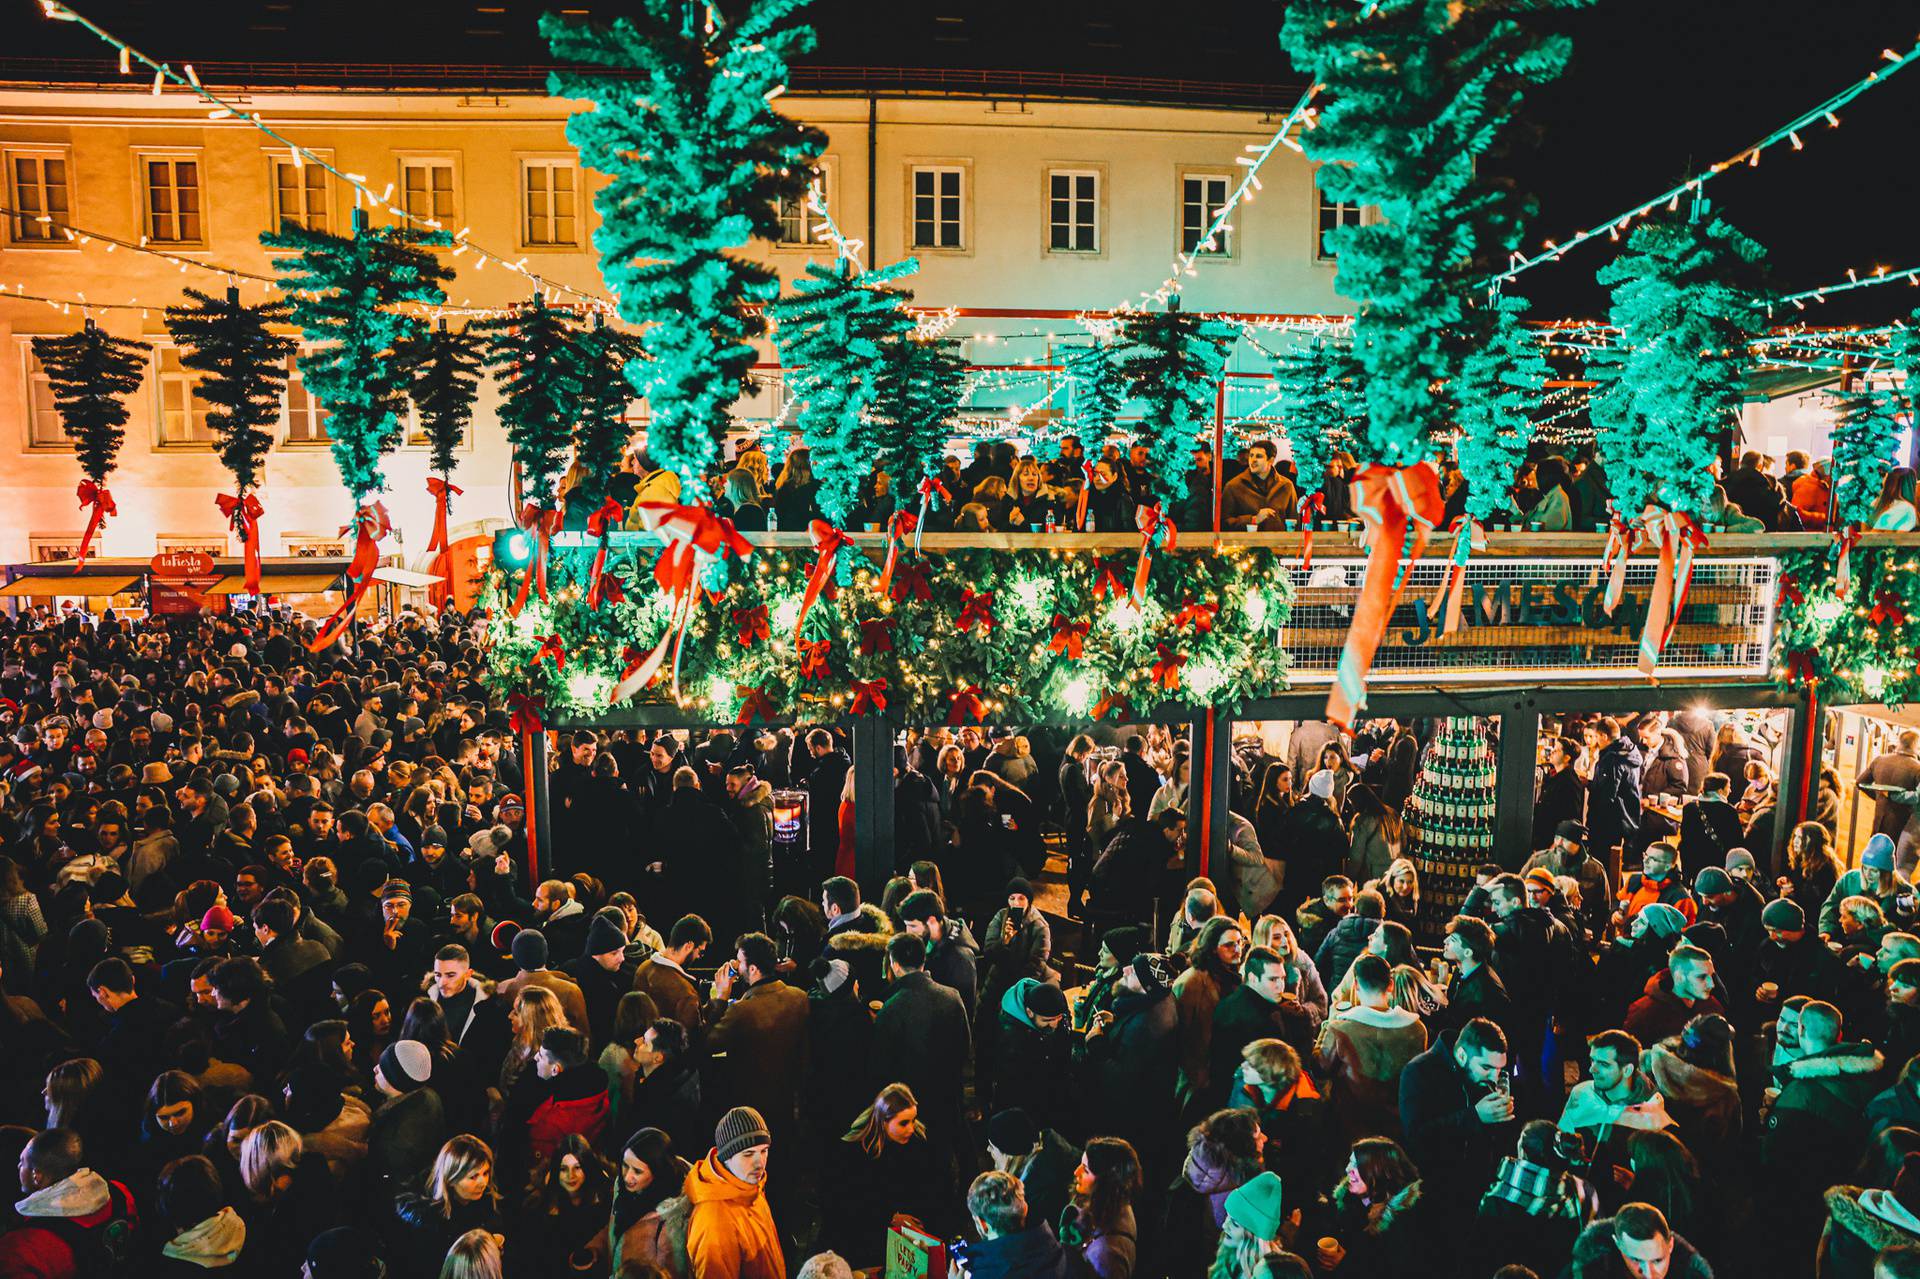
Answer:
(1256, 1206)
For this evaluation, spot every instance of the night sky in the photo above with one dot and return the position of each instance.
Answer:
(1656, 88)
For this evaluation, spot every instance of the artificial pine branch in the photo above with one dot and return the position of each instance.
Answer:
(1499, 385)
(601, 356)
(446, 382)
(91, 373)
(1321, 402)
(530, 352)
(1174, 371)
(920, 385)
(244, 367)
(1099, 388)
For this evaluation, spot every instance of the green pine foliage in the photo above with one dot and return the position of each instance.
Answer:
(1418, 94)
(1320, 404)
(1099, 390)
(831, 332)
(342, 292)
(1175, 373)
(920, 386)
(1866, 426)
(91, 374)
(243, 367)
(531, 353)
(698, 159)
(446, 382)
(1689, 294)
(600, 436)
(1500, 383)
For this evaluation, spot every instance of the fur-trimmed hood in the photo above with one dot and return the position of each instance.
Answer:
(760, 794)
(867, 931)
(1681, 1081)
(1852, 1209)
(1838, 1062)
(1381, 1216)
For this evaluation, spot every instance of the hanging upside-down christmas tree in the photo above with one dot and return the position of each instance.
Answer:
(446, 383)
(91, 373)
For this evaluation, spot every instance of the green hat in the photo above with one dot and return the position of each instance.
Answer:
(1256, 1206)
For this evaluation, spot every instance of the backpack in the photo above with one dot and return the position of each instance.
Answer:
(107, 1250)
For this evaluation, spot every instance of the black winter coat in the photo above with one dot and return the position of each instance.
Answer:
(921, 1038)
(1444, 1136)
(1128, 1074)
(1613, 794)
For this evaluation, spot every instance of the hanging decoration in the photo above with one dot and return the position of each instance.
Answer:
(601, 433)
(1174, 369)
(1320, 401)
(344, 293)
(243, 368)
(1097, 385)
(698, 158)
(1866, 430)
(446, 383)
(90, 374)
(831, 333)
(921, 381)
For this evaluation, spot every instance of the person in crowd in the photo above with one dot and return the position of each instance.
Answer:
(459, 1195)
(1456, 1110)
(1011, 1243)
(730, 1229)
(1536, 1206)
(1100, 1221)
(1261, 1007)
(1362, 1050)
(882, 1165)
(1673, 998)
(1635, 1243)
(1816, 1122)
(1260, 496)
(1317, 916)
(923, 1039)
(1474, 988)
(1566, 854)
(649, 1213)
(1254, 1229)
(1613, 789)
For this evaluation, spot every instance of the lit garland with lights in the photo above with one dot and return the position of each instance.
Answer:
(1015, 634)
(1860, 646)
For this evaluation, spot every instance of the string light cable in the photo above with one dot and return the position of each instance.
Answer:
(1879, 275)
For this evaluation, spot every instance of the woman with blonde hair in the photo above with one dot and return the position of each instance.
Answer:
(69, 1094)
(1413, 991)
(1377, 838)
(535, 1011)
(1033, 503)
(1253, 1230)
(741, 494)
(474, 1255)
(883, 1164)
(1303, 979)
(290, 1198)
(459, 1196)
(754, 463)
(1400, 887)
(1111, 803)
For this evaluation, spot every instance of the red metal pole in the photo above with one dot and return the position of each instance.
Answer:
(1219, 449)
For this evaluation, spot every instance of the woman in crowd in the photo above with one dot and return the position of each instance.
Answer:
(173, 1125)
(459, 1195)
(884, 1164)
(1224, 1152)
(1373, 1216)
(536, 1010)
(794, 493)
(1812, 867)
(649, 1175)
(563, 1220)
(1213, 974)
(1100, 1221)
(1376, 836)
(1255, 1229)
(290, 1197)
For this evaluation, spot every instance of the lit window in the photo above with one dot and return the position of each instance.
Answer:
(306, 416)
(1202, 198)
(300, 195)
(183, 414)
(796, 220)
(1073, 203)
(173, 200)
(937, 220)
(550, 194)
(37, 192)
(43, 419)
(426, 190)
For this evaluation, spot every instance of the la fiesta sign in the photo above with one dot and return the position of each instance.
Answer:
(181, 564)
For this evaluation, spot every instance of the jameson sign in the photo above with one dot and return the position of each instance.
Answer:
(1537, 618)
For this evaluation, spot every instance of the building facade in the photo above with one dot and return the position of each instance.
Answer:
(1021, 213)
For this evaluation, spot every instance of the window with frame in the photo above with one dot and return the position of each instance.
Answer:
(301, 196)
(426, 190)
(796, 220)
(1332, 215)
(183, 414)
(173, 199)
(550, 197)
(37, 191)
(43, 417)
(1202, 197)
(1073, 211)
(937, 207)
(306, 417)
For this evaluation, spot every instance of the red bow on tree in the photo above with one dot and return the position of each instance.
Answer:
(911, 579)
(976, 609)
(608, 587)
(1112, 703)
(752, 624)
(1198, 616)
(96, 496)
(754, 704)
(876, 636)
(243, 514)
(1155, 530)
(1789, 591)
(869, 695)
(635, 658)
(540, 524)
(898, 527)
(827, 541)
(967, 704)
(551, 646)
(1068, 636)
(1166, 671)
(526, 712)
(689, 532)
(370, 524)
(1886, 608)
(813, 658)
(442, 490)
(1106, 584)
(600, 524)
(928, 487)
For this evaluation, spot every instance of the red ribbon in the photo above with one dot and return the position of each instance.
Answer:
(912, 580)
(96, 496)
(443, 490)
(243, 513)
(898, 527)
(1112, 702)
(1311, 507)
(609, 514)
(635, 658)
(370, 524)
(1468, 536)
(1800, 667)
(689, 532)
(1844, 542)
(752, 624)
(813, 658)
(827, 541)
(1086, 487)
(542, 524)
(1107, 583)
(928, 487)
(1399, 506)
(1068, 636)
(1166, 671)
(754, 704)
(876, 636)
(1678, 538)
(869, 695)
(967, 704)
(1199, 616)
(1154, 526)
(976, 609)
(526, 712)
(1789, 591)
(551, 647)
(1886, 608)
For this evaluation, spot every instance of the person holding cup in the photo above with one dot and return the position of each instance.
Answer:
(1260, 497)
(1369, 1225)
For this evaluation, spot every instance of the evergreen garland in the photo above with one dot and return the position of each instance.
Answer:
(1867, 424)
(244, 367)
(91, 374)
(342, 292)
(601, 434)
(446, 383)
(1499, 385)
(1689, 294)
(1417, 92)
(920, 385)
(698, 158)
(831, 333)
(530, 352)
(1099, 388)
(1320, 401)
(1175, 373)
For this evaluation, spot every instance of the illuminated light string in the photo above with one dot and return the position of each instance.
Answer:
(82, 235)
(1880, 275)
(224, 110)
(1748, 156)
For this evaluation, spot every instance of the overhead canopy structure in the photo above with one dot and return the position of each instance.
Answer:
(276, 584)
(405, 576)
(51, 584)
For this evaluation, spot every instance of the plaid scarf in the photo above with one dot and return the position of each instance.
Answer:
(1541, 1192)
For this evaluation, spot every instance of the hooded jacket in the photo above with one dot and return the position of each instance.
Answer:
(1032, 1253)
(208, 1245)
(1860, 1223)
(576, 1101)
(1704, 1103)
(1033, 1068)
(1345, 943)
(1595, 1257)
(1660, 1014)
(1643, 1108)
(1361, 1053)
(730, 1232)
(85, 1201)
(861, 940)
(1821, 1109)
(955, 961)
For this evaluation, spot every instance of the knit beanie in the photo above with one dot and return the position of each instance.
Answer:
(433, 837)
(1878, 854)
(1154, 972)
(604, 937)
(740, 1129)
(1256, 1206)
(406, 1064)
(1738, 858)
(1663, 920)
(217, 919)
(1784, 914)
(1712, 880)
(1125, 942)
(1043, 999)
(1542, 876)
(1019, 884)
(1320, 786)
(530, 950)
(1011, 1132)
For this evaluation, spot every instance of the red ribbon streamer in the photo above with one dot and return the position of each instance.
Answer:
(689, 532)
(243, 512)
(1399, 506)
(928, 487)
(1844, 541)
(526, 712)
(1311, 507)
(96, 496)
(370, 524)
(1166, 671)
(542, 524)
(967, 704)
(752, 624)
(976, 609)
(1069, 637)
(869, 695)
(1080, 506)
(1789, 591)
(1154, 525)
(813, 658)
(600, 524)
(1112, 702)
(754, 704)
(876, 636)
(827, 540)
(1468, 536)
(443, 491)
(898, 527)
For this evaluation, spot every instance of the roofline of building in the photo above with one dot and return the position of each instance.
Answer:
(531, 79)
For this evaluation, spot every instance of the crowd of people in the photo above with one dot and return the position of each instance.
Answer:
(284, 998)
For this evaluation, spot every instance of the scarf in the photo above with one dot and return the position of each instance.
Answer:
(1541, 1192)
(213, 1243)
